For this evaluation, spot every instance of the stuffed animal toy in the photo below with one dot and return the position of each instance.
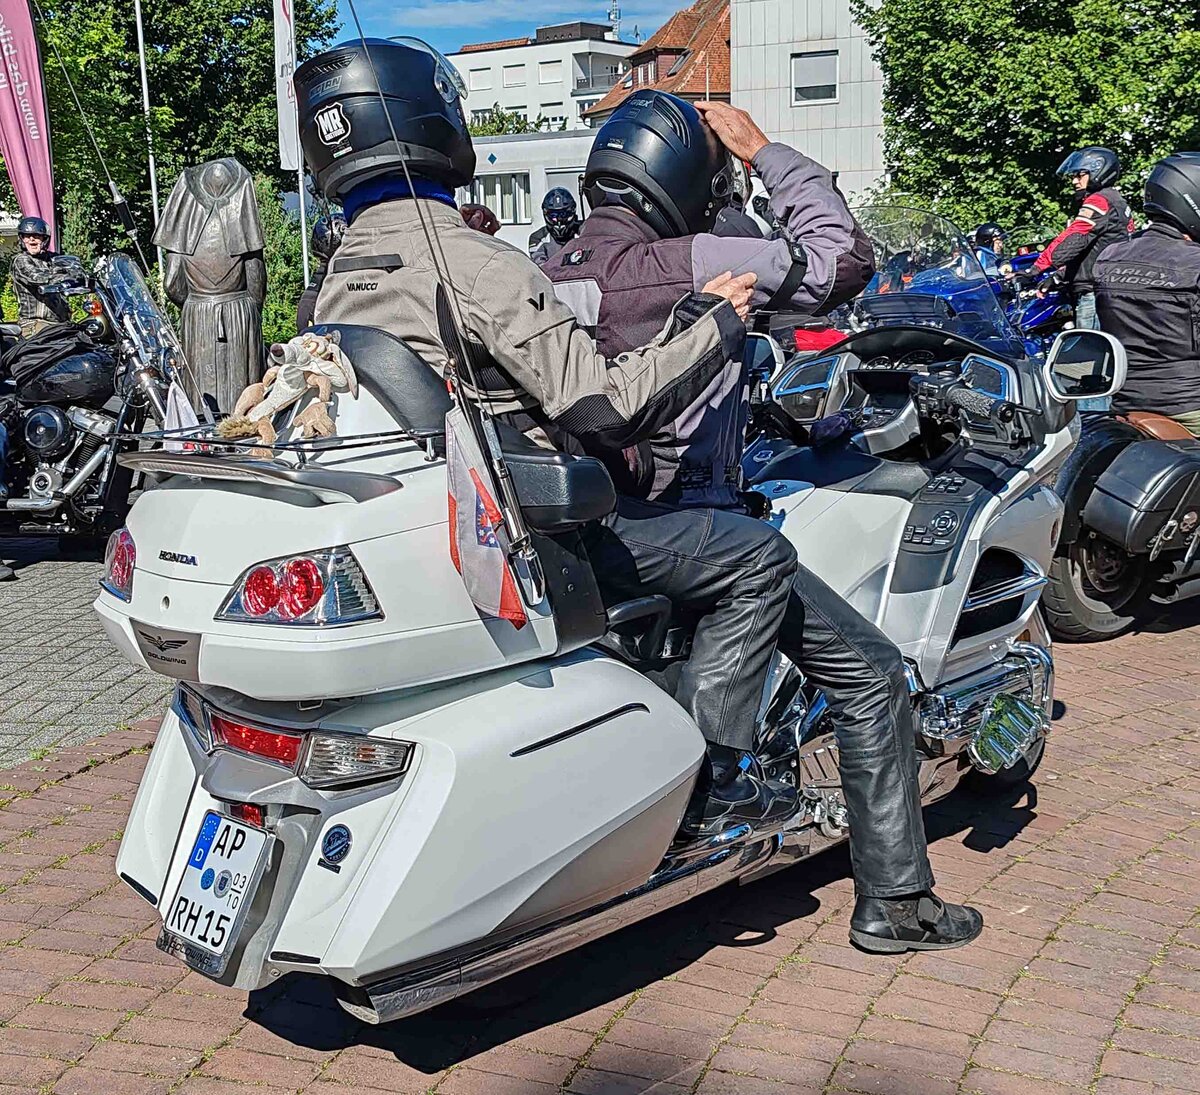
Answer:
(308, 362)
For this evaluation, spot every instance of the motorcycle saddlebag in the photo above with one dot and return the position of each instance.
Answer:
(1147, 485)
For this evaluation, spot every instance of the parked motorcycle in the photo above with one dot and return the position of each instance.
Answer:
(1131, 533)
(79, 394)
(361, 777)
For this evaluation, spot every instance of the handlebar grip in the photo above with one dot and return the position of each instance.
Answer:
(976, 403)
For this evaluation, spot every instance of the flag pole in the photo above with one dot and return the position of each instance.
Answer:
(141, 38)
(300, 166)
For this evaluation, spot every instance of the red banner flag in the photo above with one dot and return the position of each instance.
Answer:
(24, 128)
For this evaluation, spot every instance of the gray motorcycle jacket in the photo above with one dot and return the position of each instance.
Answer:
(541, 368)
(621, 279)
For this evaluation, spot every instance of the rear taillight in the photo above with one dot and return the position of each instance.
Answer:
(120, 560)
(321, 758)
(318, 589)
(247, 813)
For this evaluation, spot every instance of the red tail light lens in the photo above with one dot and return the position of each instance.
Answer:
(272, 745)
(302, 588)
(120, 561)
(247, 812)
(318, 588)
(261, 592)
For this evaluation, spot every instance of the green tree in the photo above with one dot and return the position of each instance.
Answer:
(497, 122)
(983, 100)
(211, 73)
(284, 258)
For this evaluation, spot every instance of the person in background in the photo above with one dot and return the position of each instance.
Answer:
(481, 218)
(989, 246)
(327, 235)
(32, 271)
(562, 225)
(1102, 217)
(1148, 296)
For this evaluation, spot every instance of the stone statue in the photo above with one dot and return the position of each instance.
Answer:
(214, 271)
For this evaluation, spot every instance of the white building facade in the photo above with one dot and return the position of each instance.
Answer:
(555, 76)
(513, 173)
(804, 71)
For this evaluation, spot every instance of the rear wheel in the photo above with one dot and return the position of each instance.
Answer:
(1095, 590)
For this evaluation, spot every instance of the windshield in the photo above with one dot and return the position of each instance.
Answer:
(138, 317)
(928, 275)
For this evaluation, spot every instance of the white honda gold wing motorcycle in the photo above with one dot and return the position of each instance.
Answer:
(362, 778)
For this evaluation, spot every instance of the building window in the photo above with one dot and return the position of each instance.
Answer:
(815, 77)
(480, 116)
(550, 72)
(514, 75)
(505, 195)
(553, 116)
(479, 79)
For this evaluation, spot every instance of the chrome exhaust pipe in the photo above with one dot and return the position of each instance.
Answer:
(439, 979)
(34, 505)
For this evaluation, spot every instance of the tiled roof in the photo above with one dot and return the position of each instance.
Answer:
(705, 69)
(504, 43)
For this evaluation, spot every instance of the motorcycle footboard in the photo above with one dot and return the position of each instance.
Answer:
(1149, 496)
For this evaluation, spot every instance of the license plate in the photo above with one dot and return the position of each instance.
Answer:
(215, 892)
(172, 653)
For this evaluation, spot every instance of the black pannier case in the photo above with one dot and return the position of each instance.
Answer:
(1149, 484)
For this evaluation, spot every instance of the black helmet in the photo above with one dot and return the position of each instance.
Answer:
(327, 234)
(560, 213)
(344, 127)
(656, 157)
(1101, 164)
(1173, 192)
(987, 234)
(33, 226)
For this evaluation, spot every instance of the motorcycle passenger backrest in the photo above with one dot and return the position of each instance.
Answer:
(392, 371)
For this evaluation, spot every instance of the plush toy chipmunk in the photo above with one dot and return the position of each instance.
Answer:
(307, 362)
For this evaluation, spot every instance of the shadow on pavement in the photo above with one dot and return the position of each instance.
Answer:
(22, 552)
(303, 1009)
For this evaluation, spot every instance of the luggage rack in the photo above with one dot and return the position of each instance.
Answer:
(232, 460)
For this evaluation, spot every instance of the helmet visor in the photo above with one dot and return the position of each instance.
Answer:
(446, 79)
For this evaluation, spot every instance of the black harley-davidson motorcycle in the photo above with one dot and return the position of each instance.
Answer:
(75, 396)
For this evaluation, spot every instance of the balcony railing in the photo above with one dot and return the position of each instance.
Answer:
(599, 82)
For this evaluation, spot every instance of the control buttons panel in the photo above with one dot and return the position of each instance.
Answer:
(945, 523)
(932, 528)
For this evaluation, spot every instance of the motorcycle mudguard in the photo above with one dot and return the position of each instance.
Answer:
(534, 792)
(1101, 441)
(1146, 486)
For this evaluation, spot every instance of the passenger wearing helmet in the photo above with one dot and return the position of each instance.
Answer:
(989, 246)
(540, 372)
(1102, 217)
(32, 272)
(562, 225)
(659, 173)
(327, 235)
(1148, 296)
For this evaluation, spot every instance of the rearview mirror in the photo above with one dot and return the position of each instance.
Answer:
(1084, 364)
(808, 388)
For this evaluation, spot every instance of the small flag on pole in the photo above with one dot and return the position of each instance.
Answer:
(285, 93)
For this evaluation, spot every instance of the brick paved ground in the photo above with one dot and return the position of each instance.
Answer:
(1085, 981)
(63, 681)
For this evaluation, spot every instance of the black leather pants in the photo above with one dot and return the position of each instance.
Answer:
(744, 577)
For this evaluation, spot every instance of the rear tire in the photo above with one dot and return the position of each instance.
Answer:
(1096, 590)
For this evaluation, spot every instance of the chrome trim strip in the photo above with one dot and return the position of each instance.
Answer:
(323, 483)
(1031, 579)
(583, 727)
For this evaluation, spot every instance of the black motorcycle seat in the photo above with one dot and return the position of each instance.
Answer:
(843, 468)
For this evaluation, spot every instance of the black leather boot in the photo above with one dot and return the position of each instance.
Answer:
(727, 794)
(919, 922)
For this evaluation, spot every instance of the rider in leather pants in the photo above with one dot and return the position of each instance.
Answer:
(626, 270)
